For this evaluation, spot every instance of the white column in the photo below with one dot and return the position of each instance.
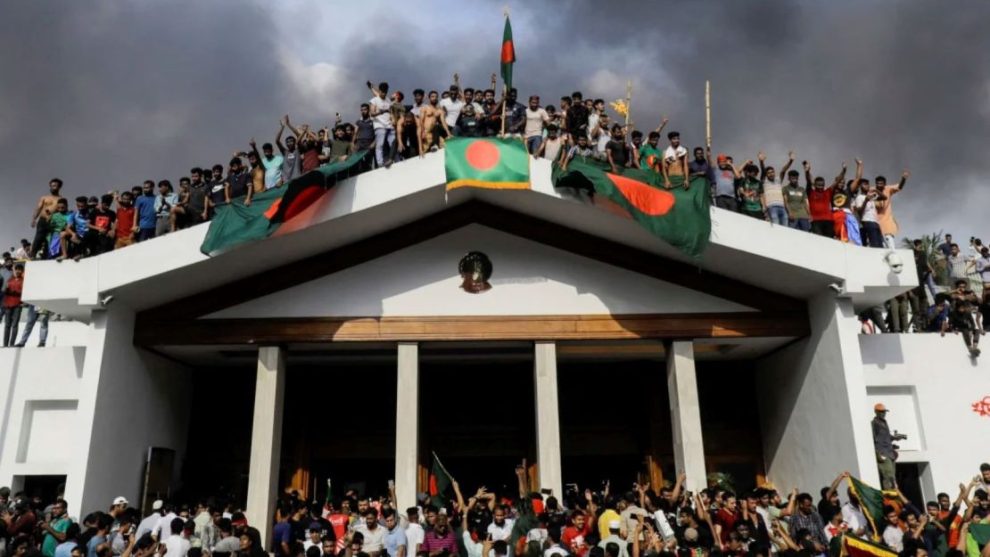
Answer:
(685, 414)
(266, 440)
(407, 425)
(547, 417)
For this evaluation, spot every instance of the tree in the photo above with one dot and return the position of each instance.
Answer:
(929, 246)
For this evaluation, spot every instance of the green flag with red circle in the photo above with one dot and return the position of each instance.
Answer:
(678, 215)
(486, 162)
(508, 55)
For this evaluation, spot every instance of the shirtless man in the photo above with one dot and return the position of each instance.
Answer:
(44, 210)
(431, 117)
(675, 162)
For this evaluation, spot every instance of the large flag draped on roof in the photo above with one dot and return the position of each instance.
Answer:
(679, 216)
(508, 56)
(486, 162)
(235, 223)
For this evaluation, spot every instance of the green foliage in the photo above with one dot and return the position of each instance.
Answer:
(929, 245)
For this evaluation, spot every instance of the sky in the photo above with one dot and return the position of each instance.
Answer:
(107, 94)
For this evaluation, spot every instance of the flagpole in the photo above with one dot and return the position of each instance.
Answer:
(708, 113)
(628, 101)
(505, 97)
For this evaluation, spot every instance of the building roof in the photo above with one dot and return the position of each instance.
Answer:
(146, 275)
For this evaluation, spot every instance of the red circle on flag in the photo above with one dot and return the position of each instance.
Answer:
(482, 155)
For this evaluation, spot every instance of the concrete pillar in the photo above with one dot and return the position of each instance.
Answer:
(547, 417)
(407, 425)
(685, 414)
(266, 441)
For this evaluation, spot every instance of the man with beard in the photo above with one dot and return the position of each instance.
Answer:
(820, 201)
(39, 220)
(290, 155)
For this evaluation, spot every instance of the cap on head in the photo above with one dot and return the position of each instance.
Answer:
(879, 407)
(157, 505)
(120, 501)
(614, 524)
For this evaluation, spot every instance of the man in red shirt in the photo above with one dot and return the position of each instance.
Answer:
(124, 228)
(726, 517)
(820, 201)
(12, 305)
(574, 535)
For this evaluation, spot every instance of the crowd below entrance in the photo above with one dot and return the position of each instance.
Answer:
(640, 521)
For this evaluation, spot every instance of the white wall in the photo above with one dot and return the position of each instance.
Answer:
(528, 279)
(811, 396)
(39, 392)
(129, 400)
(930, 384)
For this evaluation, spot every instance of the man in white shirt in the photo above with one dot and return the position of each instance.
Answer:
(414, 531)
(893, 536)
(374, 534)
(500, 529)
(866, 205)
(853, 515)
(452, 107)
(382, 123)
(164, 529)
(177, 544)
(151, 522)
(536, 117)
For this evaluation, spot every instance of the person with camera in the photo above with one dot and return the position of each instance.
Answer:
(883, 444)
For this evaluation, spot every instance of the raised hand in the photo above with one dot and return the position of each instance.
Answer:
(906, 174)
(761, 156)
(790, 155)
(807, 166)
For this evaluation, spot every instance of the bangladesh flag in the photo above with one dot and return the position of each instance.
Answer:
(508, 54)
(679, 216)
(235, 224)
(857, 547)
(486, 162)
(441, 484)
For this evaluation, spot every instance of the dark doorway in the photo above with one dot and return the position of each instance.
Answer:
(908, 476)
(339, 425)
(44, 488)
(613, 417)
(478, 417)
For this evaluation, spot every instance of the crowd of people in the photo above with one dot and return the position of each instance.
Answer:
(390, 129)
(669, 522)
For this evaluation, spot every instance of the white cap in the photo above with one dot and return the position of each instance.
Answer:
(157, 505)
(614, 524)
(120, 501)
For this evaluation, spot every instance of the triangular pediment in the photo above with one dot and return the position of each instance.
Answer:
(528, 278)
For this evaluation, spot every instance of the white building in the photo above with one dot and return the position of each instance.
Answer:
(346, 348)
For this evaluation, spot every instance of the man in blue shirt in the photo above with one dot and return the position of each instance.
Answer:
(145, 206)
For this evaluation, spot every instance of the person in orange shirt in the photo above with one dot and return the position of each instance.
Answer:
(885, 208)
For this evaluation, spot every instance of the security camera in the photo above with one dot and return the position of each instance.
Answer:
(105, 301)
(894, 262)
(837, 287)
